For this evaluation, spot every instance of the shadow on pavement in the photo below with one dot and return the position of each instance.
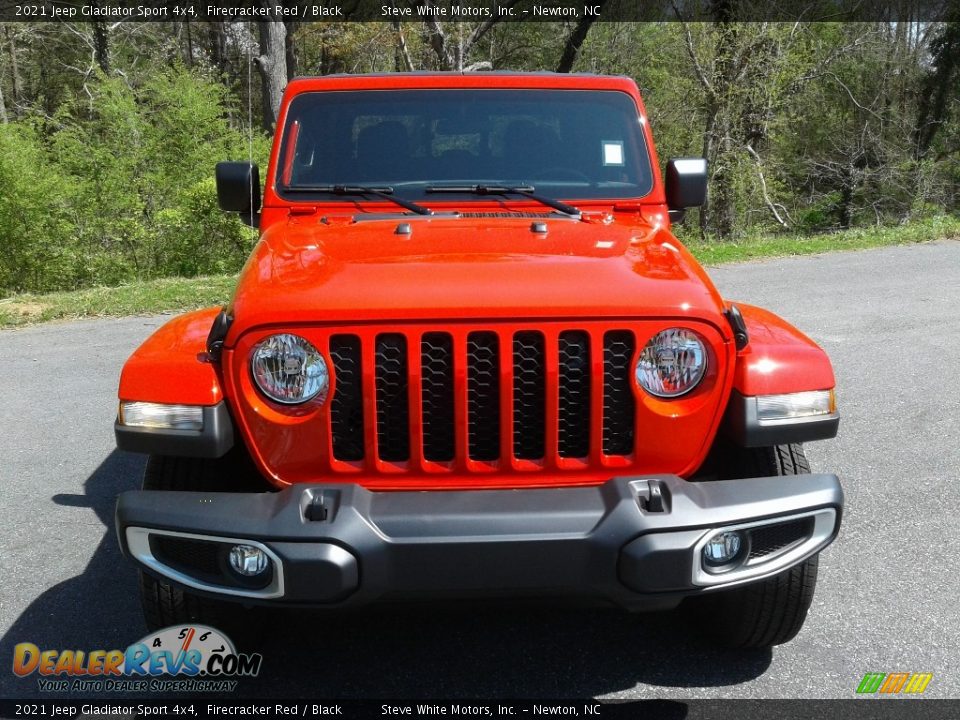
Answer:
(97, 610)
(449, 651)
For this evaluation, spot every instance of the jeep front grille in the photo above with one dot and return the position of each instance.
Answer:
(436, 368)
(573, 421)
(476, 398)
(617, 398)
(393, 410)
(483, 396)
(529, 396)
(346, 407)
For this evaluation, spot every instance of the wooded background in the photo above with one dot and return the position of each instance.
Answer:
(109, 131)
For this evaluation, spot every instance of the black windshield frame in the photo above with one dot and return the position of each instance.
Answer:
(327, 121)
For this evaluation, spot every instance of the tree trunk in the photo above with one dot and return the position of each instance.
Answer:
(936, 89)
(189, 53)
(101, 46)
(722, 199)
(3, 107)
(722, 211)
(290, 48)
(218, 48)
(402, 60)
(845, 207)
(438, 42)
(272, 64)
(571, 48)
(705, 215)
(15, 84)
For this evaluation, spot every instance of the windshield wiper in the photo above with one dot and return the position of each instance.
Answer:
(525, 190)
(385, 192)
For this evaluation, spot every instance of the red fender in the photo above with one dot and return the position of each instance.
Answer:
(170, 366)
(779, 358)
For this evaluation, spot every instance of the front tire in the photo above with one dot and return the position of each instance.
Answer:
(772, 611)
(165, 604)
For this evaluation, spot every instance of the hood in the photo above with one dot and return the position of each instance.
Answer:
(313, 269)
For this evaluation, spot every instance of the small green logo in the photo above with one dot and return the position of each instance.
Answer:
(893, 683)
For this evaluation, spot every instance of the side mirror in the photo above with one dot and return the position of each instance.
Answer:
(686, 181)
(238, 190)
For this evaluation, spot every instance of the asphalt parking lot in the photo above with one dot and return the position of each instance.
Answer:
(886, 600)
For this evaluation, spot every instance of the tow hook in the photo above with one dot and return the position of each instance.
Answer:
(652, 496)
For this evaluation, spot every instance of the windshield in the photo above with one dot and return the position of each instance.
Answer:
(565, 143)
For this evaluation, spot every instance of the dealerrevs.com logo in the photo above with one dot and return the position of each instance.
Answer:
(192, 658)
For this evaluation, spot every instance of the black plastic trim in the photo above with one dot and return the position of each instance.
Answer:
(238, 190)
(217, 335)
(544, 542)
(213, 441)
(742, 425)
(685, 182)
(740, 335)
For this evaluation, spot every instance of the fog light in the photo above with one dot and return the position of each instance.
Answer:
(722, 549)
(248, 560)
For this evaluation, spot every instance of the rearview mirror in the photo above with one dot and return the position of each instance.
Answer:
(238, 190)
(686, 180)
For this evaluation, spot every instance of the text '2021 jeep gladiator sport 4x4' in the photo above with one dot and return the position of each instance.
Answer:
(468, 359)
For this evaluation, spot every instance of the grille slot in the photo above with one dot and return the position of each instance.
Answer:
(346, 407)
(436, 368)
(196, 557)
(618, 401)
(573, 423)
(771, 539)
(529, 396)
(483, 396)
(393, 406)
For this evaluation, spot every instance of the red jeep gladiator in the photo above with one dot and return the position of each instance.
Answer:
(468, 359)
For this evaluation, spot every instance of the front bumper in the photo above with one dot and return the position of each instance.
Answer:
(634, 542)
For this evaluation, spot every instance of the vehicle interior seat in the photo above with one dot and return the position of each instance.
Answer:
(383, 152)
(528, 147)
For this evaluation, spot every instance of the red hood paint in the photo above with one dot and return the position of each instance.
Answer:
(329, 262)
(317, 268)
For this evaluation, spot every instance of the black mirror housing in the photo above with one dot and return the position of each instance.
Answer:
(238, 189)
(686, 183)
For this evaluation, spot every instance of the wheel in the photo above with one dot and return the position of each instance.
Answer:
(165, 604)
(772, 611)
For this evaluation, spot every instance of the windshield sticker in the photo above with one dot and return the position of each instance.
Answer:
(612, 152)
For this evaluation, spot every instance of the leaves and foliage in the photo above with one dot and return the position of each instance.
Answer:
(109, 131)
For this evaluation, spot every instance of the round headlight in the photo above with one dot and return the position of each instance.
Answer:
(289, 370)
(672, 363)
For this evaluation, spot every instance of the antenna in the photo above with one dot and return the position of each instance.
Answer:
(250, 116)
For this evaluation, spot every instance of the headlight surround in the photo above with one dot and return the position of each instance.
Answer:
(289, 370)
(672, 363)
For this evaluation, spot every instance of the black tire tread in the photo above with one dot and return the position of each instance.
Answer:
(234, 472)
(164, 604)
(772, 611)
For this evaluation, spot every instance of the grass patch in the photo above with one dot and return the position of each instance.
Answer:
(778, 245)
(179, 294)
(142, 298)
